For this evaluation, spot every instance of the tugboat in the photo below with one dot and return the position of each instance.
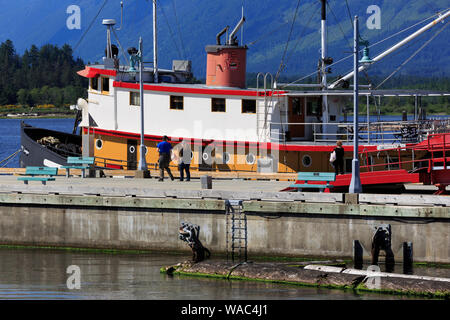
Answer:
(229, 127)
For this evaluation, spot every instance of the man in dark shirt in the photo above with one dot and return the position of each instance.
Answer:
(164, 148)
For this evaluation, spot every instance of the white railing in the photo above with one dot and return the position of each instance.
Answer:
(387, 132)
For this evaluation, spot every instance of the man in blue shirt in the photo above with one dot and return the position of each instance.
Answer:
(164, 149)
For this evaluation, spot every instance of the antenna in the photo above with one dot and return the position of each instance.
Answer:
(121, 16)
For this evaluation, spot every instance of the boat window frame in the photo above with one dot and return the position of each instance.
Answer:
(215, 105)
(248, 101)
(138, 101)
(91, 81)
(313, 108)
(102, 84)
(175, 105)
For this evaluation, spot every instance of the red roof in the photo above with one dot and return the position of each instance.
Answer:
(90, 72)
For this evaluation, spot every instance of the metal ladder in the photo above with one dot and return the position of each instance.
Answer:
(236, 230)
(262, 118)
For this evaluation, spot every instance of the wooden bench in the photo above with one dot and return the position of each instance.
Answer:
(38, 173)
(326, 177)
(81, 163)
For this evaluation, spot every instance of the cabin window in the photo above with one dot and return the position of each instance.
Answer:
(176, 102)
(248, 106)
(218, 105)
(105, 85)
(297, 106)
(135, 99)
(314, 107)
(94, 83)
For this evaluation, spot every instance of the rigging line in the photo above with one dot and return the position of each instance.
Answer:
(170, 31)
(121, 48)
(349, 13)
(340, 27)
(377, 43)
(179, 31)
(413, 55)
(401, 31)
(90, 25)
(267, 34)
(287, 43)
(301, 35)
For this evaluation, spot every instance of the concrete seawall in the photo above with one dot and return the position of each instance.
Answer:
(79, 214)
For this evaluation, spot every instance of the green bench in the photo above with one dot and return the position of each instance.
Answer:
(314, 176)
(42, 174)
(82, 163)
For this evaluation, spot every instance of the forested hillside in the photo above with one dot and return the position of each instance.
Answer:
(40, 76)
(277, 33)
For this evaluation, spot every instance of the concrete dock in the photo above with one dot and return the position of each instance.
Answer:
(144, 214)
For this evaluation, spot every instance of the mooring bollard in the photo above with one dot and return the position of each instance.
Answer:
(381, 240)
(407, 257)
(357, 255)
(206, 182)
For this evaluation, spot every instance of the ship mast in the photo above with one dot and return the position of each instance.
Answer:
(155, 46)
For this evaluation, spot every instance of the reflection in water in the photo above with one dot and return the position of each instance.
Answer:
(41, 274)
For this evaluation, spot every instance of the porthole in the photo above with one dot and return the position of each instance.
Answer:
(205, 156)
(306, 160)
(132, 149)
(99, 144)
(250, 158)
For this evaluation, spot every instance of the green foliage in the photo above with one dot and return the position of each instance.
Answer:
(40, 76)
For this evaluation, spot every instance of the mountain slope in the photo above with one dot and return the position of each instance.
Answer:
(185, 27)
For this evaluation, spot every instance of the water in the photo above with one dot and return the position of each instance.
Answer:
(10, 135)
(41, 274)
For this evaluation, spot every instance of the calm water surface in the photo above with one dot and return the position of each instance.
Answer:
(10, 135)
(41, 274)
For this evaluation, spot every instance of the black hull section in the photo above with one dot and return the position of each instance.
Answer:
(36, 154)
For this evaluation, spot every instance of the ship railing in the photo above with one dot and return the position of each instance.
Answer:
(435, 153)
(384, 132)
(118, 164)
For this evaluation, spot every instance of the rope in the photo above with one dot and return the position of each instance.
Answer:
(337, 21)
(413, 55)
(178, 27)
(375, 44)
(120, 46)
(170, 31)
(287, 43)
(90, 25)
(302, 33)
(9, 158)
(349, 13)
